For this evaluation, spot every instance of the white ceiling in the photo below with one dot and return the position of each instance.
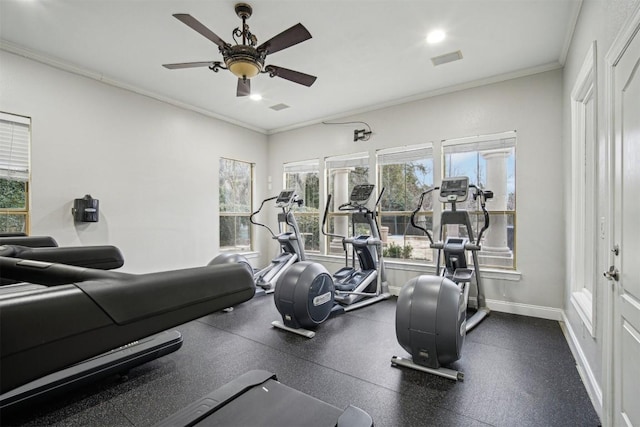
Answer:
(365, 53)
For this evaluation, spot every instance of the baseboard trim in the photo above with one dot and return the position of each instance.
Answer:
(524, 309)
(395, 290)
(539, 311)
(557, 314)
(584, 369)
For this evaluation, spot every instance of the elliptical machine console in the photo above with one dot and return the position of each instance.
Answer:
(360, 195)
(286, 198)
(431, 313)
(454, 190)
(306, 295)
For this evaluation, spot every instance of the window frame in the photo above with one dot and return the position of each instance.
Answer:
(353, 160)
(396, 156)
(15, 165)
(307, 167)
(489, 141)
(583, 227)
(237, 214)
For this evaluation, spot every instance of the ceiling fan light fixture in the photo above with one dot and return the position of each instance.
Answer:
(244, 69)
(243, 61)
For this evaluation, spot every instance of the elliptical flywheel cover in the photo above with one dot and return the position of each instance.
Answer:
(304, 295)
(431, 320)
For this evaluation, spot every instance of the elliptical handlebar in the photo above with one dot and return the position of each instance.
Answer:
(379, 198)
(324, 222)
(345, 207)
(484, 195)
(251, 220)
(417, 209)
(285, 208)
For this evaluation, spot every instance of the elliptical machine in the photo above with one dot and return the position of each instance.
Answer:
(306, 294)
(288, 237)
(431, 312)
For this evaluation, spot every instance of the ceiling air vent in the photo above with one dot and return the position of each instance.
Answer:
(279, 107)
(447, 57)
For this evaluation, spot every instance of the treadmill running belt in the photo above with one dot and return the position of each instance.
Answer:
(274, 404)
(256, 398)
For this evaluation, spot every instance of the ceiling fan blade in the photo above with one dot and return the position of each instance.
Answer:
(187, 65)
(199, 27)
(244, 87)
(294, 76)
(294, 35)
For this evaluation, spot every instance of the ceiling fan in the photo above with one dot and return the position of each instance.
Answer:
(245, 60)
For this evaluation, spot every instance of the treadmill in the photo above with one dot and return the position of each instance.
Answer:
(71, 325)
(257, 398)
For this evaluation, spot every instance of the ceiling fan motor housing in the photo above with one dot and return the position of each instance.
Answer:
(243, 10)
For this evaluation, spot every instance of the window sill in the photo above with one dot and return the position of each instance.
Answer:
(248, 255)
(418, 268)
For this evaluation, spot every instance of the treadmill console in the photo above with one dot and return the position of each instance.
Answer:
(361, 194)
(285, 198)
(454, 189)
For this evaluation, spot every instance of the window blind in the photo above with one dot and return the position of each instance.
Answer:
(310, 166)
(350, 161)
(14, 147)
(386, 157)
(479, 144)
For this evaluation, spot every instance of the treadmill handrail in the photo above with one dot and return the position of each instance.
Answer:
(104, 257)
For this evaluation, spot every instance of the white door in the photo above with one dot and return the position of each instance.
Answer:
(625, 271)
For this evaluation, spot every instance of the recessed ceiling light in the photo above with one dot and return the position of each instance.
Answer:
(255, 96)
(435, 36)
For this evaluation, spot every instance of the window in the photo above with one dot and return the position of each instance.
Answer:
(343, 173)
(14, 173)
(583, 182)
(236, 195)
(489, 162)
(404, 175)
(304, 178)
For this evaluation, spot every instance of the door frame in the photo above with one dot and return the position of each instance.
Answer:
(629, 29)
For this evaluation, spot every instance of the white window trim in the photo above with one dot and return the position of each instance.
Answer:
(479, 138)
(361, 157)
(582, 253)
(422, 268)
(500, 140)
(253, 238)
(306, 166)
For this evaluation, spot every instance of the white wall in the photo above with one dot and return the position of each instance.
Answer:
(598, 21)
(154, 167)
(530, 105)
